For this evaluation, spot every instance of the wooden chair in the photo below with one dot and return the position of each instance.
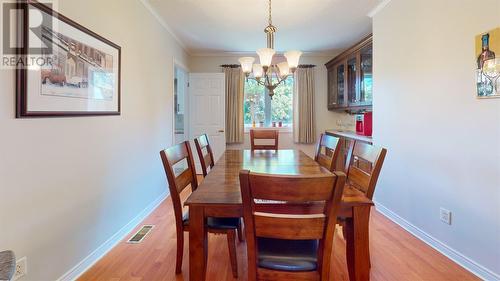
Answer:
(290, 245)
(264, 135)
(207, 160)
(363, 166)
(331, 147)
(177, 183)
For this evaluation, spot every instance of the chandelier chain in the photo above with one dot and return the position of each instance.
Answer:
(270, 17)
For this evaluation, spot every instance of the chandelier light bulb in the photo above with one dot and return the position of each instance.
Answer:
(293, 58)
(246, 64)
(284, 69)
(265, 56)
(257, 70)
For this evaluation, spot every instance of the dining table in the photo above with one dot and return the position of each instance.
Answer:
(219, 195)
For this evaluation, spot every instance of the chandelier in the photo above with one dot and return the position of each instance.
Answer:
(264, 72)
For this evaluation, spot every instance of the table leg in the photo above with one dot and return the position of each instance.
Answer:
(197, 244)
(357, 244)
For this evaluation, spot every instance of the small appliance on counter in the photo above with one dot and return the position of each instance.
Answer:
(364, 124)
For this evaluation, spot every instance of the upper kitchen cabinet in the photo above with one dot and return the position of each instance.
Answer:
(350, 77)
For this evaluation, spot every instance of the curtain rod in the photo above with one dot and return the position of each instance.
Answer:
(230, 65)
(237, 65)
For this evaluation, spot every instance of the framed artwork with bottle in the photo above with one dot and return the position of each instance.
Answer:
(488, 64)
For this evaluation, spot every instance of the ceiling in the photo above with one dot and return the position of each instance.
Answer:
(216, 26)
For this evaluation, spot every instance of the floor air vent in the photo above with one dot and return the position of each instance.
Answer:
(141, 234)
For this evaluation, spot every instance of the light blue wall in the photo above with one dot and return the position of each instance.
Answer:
(68, 184)
(443, 143)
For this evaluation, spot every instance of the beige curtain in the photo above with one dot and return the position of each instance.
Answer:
(235, 82)
(304, 130)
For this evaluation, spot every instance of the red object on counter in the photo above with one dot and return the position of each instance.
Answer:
(364, 124)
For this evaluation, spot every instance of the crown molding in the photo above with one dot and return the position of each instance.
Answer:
(254, 54)
(378, 8)
(162, 22)
(222, 54)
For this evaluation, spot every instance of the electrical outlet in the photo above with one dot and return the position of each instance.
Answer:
(21, 268)
(445, 216)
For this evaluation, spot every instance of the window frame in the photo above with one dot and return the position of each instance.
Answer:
(287, 127)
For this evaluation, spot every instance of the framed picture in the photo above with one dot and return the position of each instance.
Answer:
(488, 64)
(66, 69)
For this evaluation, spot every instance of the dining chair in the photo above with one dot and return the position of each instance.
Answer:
(177, 182)
(290, 245)
(364, 165)
(264, 135)
(327, 152)
(206, 160)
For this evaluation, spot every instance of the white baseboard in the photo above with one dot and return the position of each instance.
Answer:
(102, 250)
(444, 249)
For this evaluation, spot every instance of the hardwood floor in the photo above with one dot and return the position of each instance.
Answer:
(395, 255)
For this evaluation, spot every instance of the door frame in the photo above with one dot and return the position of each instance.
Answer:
(178, 64)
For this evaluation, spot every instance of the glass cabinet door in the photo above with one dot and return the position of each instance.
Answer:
(332, 86)
(351, 80)
(366, 95)
(340, 89)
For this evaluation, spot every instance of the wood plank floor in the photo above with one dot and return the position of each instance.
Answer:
(395, 255)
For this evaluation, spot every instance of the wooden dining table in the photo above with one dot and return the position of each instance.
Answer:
(219, 196)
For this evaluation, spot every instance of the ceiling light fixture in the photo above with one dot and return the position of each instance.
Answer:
(264, 72)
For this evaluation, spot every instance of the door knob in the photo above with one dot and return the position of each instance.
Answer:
(221, 131)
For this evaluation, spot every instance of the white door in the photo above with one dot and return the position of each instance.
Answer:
(207, 110)
(180, 105)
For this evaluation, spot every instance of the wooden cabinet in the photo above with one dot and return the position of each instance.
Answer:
(350, 77)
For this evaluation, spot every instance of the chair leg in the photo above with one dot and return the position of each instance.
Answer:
(344, 234)
(180, 252)
(241, 238)
(231, 242)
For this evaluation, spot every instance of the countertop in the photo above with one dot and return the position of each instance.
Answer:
(350, 135)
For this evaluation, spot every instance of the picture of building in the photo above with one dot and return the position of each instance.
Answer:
(75, 69)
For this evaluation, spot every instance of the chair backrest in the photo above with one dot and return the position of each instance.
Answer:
(177, 182)
(316, 201)
(327, 152)
(206, 160)
(264, 135)
(364, 164)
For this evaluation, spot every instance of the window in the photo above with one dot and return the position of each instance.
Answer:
(259, 107)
